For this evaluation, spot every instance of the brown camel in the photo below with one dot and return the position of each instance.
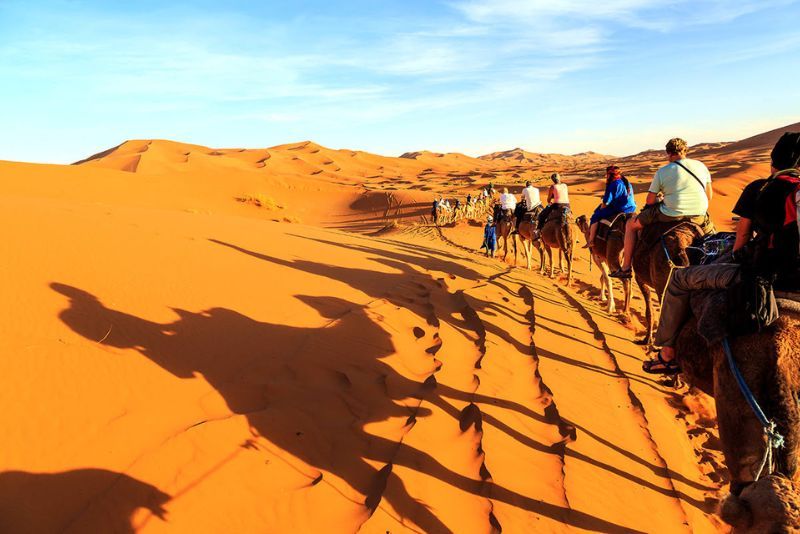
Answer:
(659, 244)
(770, 364)
(607, 255)
(504, 227)
(556, 235)
(525, 232)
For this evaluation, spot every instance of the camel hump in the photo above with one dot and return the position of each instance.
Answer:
(677, 235)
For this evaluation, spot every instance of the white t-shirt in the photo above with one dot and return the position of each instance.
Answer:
(531, 196)
(683, 195)
(508, 201)
(560, 195)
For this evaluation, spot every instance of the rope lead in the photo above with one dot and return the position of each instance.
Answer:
(774, 439)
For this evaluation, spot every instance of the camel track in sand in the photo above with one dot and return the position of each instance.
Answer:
(691, 498)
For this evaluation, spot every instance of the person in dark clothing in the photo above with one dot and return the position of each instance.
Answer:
(519, 213)
(767, 246)
(435, 211)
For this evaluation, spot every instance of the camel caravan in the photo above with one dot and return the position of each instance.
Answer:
(729, 319)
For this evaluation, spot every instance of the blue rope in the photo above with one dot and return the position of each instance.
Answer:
(748, 395)
(774, 439)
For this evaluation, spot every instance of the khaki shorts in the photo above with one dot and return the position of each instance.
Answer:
(654, 215)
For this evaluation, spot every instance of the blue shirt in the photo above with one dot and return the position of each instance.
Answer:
(618, 198)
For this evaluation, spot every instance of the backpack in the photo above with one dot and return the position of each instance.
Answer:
(751, 304)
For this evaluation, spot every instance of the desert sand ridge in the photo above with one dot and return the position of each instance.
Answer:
(274, 340)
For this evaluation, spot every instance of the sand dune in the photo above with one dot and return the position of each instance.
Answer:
(210, 340)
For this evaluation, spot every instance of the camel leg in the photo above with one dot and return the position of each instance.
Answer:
(552, 265)
(628, 291)
(610, 305)
(569, 264)
(648, 308)
(528, 252)
(514, 242)
(541, 259)
(603, 279)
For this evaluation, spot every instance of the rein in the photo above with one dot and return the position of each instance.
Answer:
(774, 439)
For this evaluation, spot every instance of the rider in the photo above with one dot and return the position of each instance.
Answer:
(531, 202)
(770, 209)
(557, 197)
(686, 187)
(489, 237)
(618, 198)
(508, 203)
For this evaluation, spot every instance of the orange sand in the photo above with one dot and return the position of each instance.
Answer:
(202, 340)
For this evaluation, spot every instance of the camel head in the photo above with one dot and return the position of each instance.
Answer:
(770, 505)
(582, 223)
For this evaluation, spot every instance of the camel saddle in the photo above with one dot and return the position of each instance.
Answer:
(506, 215)
(676, 232)
(788, 300)
(614, 228)
(532, 215)
(559, 214)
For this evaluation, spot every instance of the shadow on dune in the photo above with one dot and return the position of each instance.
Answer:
(312, 391)
(425, 258)
(57, 502)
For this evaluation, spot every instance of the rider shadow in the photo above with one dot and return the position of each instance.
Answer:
(88, 500)
(302, 387)
(424, 261)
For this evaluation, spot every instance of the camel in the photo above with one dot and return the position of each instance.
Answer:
(607, 255)
(651, 265)
(504, 226)
(526, 237)
(556, 235)
(770, 364)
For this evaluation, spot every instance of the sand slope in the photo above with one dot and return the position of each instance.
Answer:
(192, 343)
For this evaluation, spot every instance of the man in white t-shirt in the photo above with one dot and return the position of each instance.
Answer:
(531, 204)
(507, 201)
(684, 184)
(531, 197)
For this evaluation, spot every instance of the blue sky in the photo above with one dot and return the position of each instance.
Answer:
(474, 76)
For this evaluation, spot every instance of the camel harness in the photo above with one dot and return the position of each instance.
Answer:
(774, 439)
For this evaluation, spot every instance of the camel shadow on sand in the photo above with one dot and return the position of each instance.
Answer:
(63, 502)
(300, 387)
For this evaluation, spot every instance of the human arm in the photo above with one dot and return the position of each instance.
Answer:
(709, 191)
(655, 188)
(550, 195)
(744, 233)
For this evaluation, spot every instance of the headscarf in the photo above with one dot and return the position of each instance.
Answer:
(613, 173)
